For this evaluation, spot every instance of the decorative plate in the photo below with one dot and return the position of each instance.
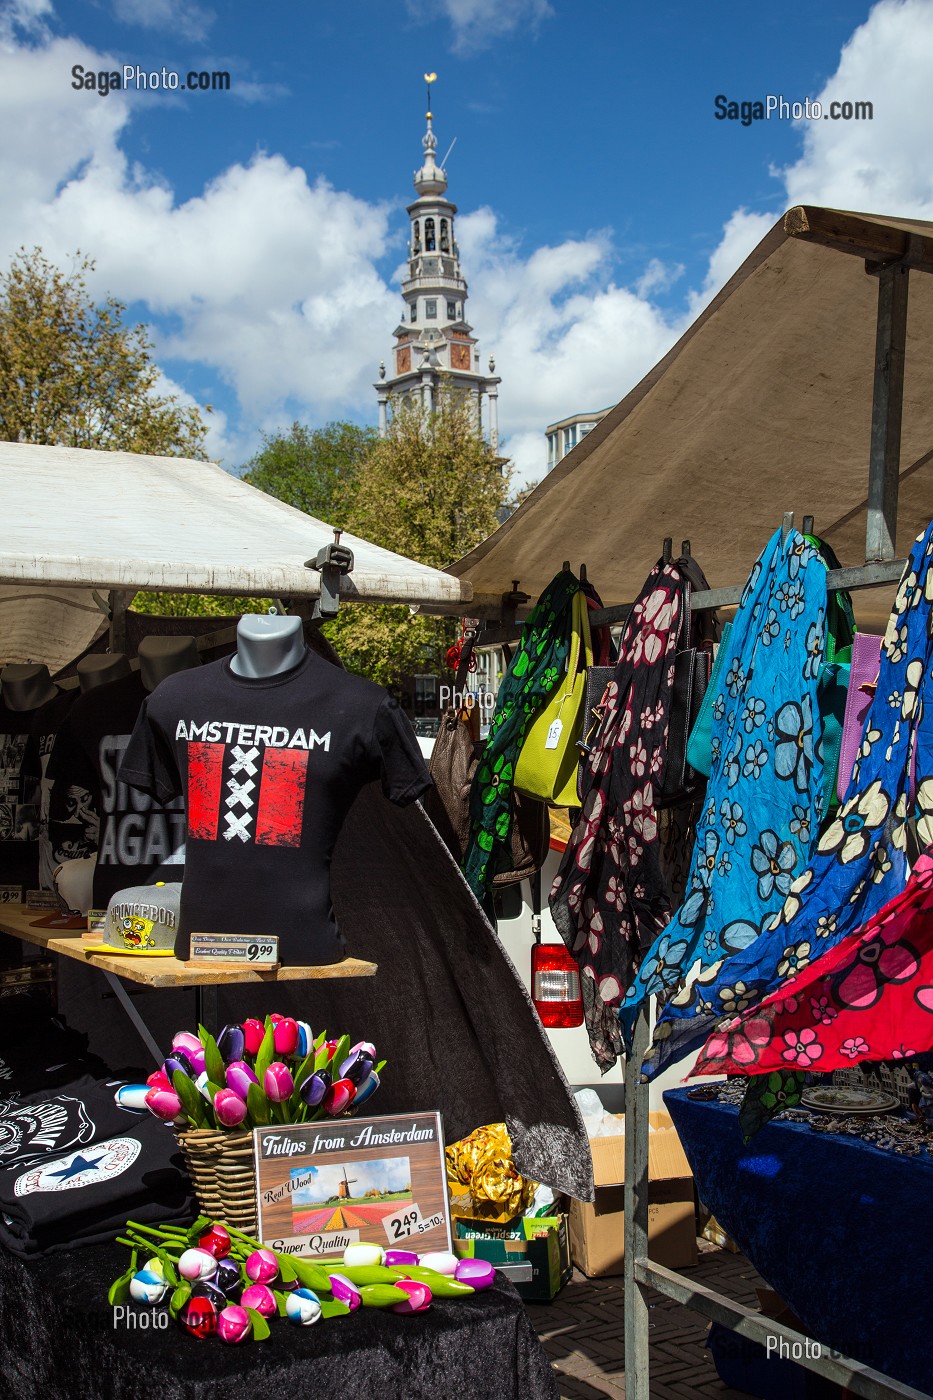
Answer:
(848, 1101)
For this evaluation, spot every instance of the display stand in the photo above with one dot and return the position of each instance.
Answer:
(19, 922)
(640, 1274)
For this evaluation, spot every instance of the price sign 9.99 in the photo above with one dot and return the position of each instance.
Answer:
(224, 948)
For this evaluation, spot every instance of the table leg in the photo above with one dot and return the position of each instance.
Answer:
(125, 1000)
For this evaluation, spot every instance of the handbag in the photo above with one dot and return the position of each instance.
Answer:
(700, 743)
(453, 761)
(548, 760)
(692, 668)
(863, 678)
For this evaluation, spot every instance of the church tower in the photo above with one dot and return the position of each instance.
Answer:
(434, 338)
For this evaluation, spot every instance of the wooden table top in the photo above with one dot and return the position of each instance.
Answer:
(20, 922)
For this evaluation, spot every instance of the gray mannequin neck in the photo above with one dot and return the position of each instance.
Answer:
(163, 656)
(267, 645)
(26, 687)
(100, 669)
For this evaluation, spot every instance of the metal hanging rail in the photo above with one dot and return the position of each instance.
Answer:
(880, 566)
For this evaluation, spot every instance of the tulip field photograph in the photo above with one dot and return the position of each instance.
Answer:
(350, 1196)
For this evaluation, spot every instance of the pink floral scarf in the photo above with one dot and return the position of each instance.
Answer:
(610, 897)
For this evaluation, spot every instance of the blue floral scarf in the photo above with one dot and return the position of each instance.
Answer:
(763, 801)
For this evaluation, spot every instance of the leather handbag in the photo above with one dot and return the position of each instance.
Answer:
(549, 758)
(692, 667)
(453, 761)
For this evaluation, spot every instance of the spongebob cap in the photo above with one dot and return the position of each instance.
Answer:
(141, 922)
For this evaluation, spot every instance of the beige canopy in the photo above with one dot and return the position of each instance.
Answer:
(763, 406)
(76, 521)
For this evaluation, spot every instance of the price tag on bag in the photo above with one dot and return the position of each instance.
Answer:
(221, 948)
(555, 730)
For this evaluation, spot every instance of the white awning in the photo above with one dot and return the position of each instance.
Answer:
(73, 520)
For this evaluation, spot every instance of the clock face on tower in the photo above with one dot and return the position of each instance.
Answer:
(459, 355)
(403, 360)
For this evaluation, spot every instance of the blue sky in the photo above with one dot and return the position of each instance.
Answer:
(260, 232)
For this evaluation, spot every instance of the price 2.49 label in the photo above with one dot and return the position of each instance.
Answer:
(408, 1223)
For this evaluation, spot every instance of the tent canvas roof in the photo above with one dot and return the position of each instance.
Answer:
(762, 406)
(75, 520)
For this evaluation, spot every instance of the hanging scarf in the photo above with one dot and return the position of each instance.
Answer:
(536, 669)
(860, 948)
(610, 899)
(763, 799)
(869, 998)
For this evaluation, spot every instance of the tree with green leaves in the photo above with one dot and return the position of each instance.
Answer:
(313, 469)
(429, 490)
(73, 374)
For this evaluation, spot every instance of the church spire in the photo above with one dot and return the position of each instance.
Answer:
(434, 339)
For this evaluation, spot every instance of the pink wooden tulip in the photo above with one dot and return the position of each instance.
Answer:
(262, 1266)
(278, 1082)
(253, 1032)
(286, 1036)
(233, 1324)
(339, 1096)
(229, 1108)
(158, 1079)
(187, 1041)
(216, 1241)
(260, 1298)
(419, 1296)
(165, 1104)
(197, 1265)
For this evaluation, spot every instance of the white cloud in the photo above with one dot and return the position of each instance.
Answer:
(271, 283)
(182, 18)
(882, 165)
(479, 23)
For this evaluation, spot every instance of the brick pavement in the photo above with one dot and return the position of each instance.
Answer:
(583, 1334)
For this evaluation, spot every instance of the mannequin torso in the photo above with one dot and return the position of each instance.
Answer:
(26, 687)
(163, 656)
(101, 669)
(267, 645)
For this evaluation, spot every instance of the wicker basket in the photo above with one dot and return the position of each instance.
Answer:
(223, 1172)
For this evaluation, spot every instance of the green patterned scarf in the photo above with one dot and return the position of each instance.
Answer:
(535, 671)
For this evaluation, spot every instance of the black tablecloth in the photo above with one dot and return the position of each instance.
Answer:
(57, 1337)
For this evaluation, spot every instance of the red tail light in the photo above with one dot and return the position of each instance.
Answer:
(555, 985)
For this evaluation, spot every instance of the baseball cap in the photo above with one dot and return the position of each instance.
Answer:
(141, 922)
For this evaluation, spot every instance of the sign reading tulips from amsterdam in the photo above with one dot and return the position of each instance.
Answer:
(322, 1186)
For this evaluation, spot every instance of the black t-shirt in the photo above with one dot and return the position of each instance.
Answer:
(37, 785)
(26, 738)
(137, 840)
(270, 769)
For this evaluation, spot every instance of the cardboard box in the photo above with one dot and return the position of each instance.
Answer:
(597, 1231)
(541, 1240)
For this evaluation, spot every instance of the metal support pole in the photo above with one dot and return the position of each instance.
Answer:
(119, 600)
(126, 1001)
(637, 1382)
(887, 412)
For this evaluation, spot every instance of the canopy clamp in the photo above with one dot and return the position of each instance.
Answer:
(332, 561)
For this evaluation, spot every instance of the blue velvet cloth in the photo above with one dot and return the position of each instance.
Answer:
(841, 1229)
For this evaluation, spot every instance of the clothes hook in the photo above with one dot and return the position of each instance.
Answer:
(583, 578)
(808, 525)
(668, 550)
(787, 524)
(685, 549)
(566, 566)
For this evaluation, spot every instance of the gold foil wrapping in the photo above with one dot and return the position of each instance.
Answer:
(482, 1165)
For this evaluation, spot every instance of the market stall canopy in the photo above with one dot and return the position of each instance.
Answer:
(763, 406)
(76, 520)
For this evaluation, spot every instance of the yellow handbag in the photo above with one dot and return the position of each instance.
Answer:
(548, 761)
